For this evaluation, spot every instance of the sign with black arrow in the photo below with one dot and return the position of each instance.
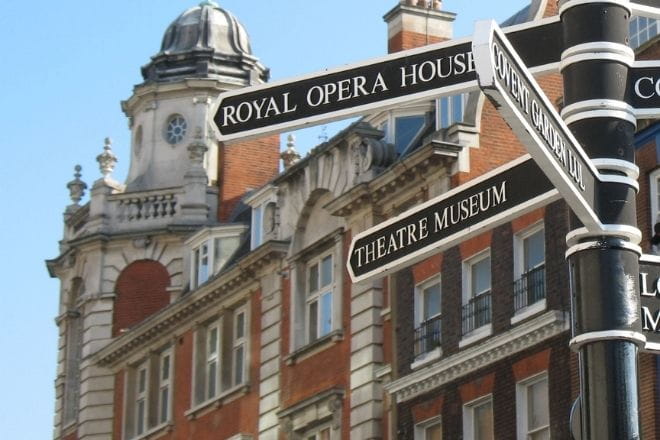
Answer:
(505, 79)
(424, 73)
(483, 203)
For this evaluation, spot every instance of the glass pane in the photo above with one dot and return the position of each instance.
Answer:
(326, 313)
(483, 422)
(653, 29)
(211, 375)
(326, 271)
(239, 356)
(634, 25)
(212, 342)
(164, 403)
(431, 302)
(481, 276)
(406, 128)
(457, 108)
(203, 273)
(165, 368)
(313, 278)
(141, 409)
(313, 320)
(537, 405)
(444, 112)
(534, 250)
(433, 432)
(224, 249)
(240, 325)
(256, 227)
(142, 381)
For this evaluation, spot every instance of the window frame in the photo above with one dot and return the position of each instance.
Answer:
(421, 428)
(317, 296)
(522, 402)
(654, 193)
(519, 269)
(468, 294)
(141, 396)
(469, 416)
(446, 119)
(240, 342)
(165, 384)
(208, 238)
(214, 358)
(419, 319)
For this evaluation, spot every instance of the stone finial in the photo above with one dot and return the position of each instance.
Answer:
(76, 187)
(290, 155)
(107, 160)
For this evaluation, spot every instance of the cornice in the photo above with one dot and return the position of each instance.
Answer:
(467, 361)
(400, 176)
(178, 315)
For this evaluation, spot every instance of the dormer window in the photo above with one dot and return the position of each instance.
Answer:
(264, 212)
(450, 110)
(211, 249)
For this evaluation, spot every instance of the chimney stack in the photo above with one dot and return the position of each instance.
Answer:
(415, 23)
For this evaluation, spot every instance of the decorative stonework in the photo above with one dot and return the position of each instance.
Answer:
(519, 338)
(107, 160)
(76, 187)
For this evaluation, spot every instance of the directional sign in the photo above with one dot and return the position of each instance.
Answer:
(644, 89)
(649, 290)
(483, 203)
(412, 75)
(504, 78)
(646, 8)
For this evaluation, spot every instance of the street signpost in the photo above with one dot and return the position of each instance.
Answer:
(404, 77)
(504, 78)
(644, 89)
(484, 203)
(649, 291)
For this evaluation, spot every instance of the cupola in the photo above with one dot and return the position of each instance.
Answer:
(206, 41)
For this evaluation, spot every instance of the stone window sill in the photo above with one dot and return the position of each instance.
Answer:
(528, 311)
(476, 335)
(426, 358)
(312, 348)
(155, 432)
(217, 401)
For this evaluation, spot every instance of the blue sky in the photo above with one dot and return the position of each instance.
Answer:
(65, 67)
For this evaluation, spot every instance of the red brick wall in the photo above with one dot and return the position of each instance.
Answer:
(118, 422)
(141, 291)
(410, 40)
(243, 166)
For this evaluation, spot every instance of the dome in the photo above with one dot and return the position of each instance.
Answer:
(205, 41)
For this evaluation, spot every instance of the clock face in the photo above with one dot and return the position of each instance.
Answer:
(175, 130)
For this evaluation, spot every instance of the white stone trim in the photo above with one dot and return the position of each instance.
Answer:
(505, 344)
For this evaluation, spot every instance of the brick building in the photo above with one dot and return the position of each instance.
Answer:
(207, 296)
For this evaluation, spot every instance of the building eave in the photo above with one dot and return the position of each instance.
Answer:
(521, 337)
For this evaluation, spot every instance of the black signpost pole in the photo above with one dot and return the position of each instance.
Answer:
(604, 267)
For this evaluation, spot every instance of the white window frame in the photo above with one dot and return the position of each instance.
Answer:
(519, 268)
(142, 397)
(468, 415)
(522, 388)
(451, 101)
(419, 311)
(641, 36)
(239, 343)
(467, 294)
(317, 295)
(212, 357)
(165, 385)
(207, 238)
(421, 429)
(315, 432)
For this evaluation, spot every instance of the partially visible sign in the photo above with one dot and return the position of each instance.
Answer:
(649, 291)
(644, 89)
(646, 8)
(488, 201)
(424, 73)
(505, 79)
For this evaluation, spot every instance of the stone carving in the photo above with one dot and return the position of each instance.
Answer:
(76, 187)
(107, 160)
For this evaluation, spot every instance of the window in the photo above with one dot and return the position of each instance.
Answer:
(220, 358)
(654, 186)
(450, 110)
(533, 412)
(478, 419)
(403, 128)
(211, 250)
(476, 311)
(406, 130)
(642, 29)
(239, 346)
(320, 286)
(257, 226)
(427, 316)
(529, 257)
(429, 429)
(318, 434)
(148, 394)
(175, 129)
